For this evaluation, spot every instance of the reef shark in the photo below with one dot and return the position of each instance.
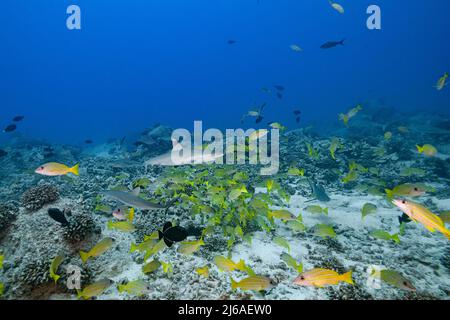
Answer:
(132, 199)
(166, 159)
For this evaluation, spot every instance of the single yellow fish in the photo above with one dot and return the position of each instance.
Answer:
(421, 214)
(95, 289)
(124, 226)
(427, 149)
(383, 235)
(151, 266)
(335, 144)
(54, 169)
(189, 247)
(296, 225)
(254, 283)
(316, 209)
(324, 230)
(407, 189)
(153, 236)
(97, 250)
(137, 288)
(350, 177)
(203, 271)
(143, 246)
(291, 262)
(282, 243)
(353, 112)
(228, 265)
(388, 136)
(322, 277)
(56, 262)
(442, 82)
(393, 278)
(277, 125)
(2, 258)
(296, 172)
(367, 209)
(282, 215)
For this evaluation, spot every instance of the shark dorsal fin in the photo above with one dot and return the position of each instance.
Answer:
(136, 191)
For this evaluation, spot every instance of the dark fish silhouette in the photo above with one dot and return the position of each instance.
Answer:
(10, 128)
(88, 141)
(259, 119)
(232, 41)
(297, 119)
(332, 44)
(279, 95)
(297, 112)
(318, 191)
(3, 153)
(172, 234)
(279, 88)
(404, 218)
(18, 118)
(58, 216)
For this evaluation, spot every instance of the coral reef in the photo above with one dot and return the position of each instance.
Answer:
(81, 225)
(35, 198)
(7, 215)
(239, 230)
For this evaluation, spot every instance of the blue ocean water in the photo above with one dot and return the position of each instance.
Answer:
(137, 63)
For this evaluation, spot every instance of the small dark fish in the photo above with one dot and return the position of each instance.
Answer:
(172, 234)
(404, 219)
(18, 118)
(318, 192)
(10, 128)
(259, 119)
(232, 41)
(297, 112)
(58, 216)
(332, 44)
(88, 141)
(297, 120)
(3, 153)
(279, 88)
(279, 95)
